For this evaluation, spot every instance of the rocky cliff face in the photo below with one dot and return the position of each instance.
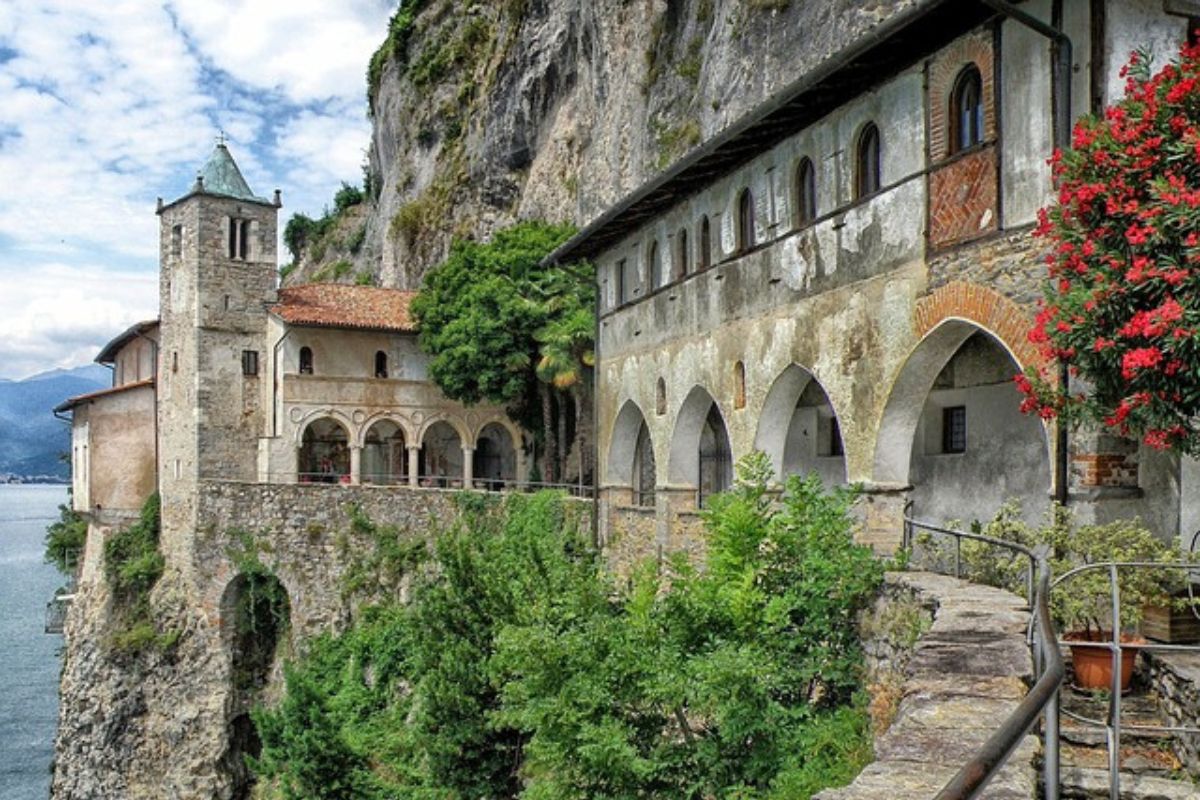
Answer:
(555, 109)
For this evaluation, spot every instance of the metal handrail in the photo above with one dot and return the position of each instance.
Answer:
(1113, 725)
(1040, 701)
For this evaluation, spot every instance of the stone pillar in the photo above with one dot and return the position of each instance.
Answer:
(355, 465)
(468, 466)
(880, 510)
(414, 465)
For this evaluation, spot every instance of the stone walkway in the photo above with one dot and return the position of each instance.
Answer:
(966, 676)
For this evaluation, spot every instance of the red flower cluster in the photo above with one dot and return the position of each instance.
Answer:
(1122, 305)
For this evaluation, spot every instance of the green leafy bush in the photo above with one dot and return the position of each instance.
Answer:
(132, 566)
(521, 669)
(65, 539)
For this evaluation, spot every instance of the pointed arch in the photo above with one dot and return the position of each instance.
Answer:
(495, 456)
(952, 429)
(799, 429)
(622, 444)
(700, 454)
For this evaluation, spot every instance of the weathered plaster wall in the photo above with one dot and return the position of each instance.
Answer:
(120, 470)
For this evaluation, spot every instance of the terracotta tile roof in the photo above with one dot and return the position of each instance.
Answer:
(332, 305)
(67, 405)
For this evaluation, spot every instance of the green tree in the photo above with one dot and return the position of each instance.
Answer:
(481, 312)
(65, 539)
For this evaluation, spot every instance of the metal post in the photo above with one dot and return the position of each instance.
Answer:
(958, 556)
(1050, 767)
(1114, 703)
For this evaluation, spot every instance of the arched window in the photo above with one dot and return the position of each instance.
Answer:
(705, 243)
(867, 170)
(682, 254)
(381, 365)
(745, 221)
(806, 192)
(739, 385)
(306, 361)
(656, 266)
(966, 110)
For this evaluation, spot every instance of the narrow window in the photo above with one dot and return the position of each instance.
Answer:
(954, 429)
(631, 280)
(244, 240)
(656, 266)
(739, 385)
(867, 172)
(381, 367)
(806, 192)
(174, 361)
(660, 398)
(682, 264)
(705, 243)
(622, 291)
(249, 362)
(226, 302)
(176, 240)
(231, 227)
(966, 110)
(306, 361)
(745, 221)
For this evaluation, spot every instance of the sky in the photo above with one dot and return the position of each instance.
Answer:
(106, 106)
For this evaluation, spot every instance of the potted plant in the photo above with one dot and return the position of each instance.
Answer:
(1082, 603)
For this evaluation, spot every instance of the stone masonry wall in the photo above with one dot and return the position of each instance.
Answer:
(960, 679)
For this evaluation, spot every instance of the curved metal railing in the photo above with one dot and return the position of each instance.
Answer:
(1042, 699)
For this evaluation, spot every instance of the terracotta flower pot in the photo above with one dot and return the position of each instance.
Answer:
(1093, 665)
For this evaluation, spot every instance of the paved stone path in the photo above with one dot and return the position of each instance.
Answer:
(966, 676)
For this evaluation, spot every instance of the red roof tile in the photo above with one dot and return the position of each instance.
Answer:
(333, 305)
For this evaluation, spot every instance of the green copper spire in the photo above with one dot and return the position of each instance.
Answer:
(222, 176)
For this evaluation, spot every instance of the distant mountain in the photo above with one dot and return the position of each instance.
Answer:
(31, 439)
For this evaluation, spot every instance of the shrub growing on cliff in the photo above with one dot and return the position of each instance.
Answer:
(1122, 306)
(65, 539)
(132, 565)
(520, 669)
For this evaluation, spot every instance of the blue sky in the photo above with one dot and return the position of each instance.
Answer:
(105, 106)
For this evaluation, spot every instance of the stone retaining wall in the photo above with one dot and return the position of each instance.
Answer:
(958, 653)
(1175, 678)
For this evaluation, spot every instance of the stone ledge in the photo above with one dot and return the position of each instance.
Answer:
(967, 673)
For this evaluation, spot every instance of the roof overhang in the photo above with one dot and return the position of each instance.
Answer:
(68, 405)
(877, 55)
(108, 354)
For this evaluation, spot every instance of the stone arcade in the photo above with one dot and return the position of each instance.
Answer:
(844, 279)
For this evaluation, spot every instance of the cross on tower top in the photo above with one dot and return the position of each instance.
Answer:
(221, 138)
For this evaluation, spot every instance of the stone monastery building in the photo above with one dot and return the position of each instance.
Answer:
(843, 279)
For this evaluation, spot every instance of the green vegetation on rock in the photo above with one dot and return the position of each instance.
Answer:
(521, 668)
(132, 566)
(65, 539)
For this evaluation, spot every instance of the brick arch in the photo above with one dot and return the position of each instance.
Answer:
(984, 307)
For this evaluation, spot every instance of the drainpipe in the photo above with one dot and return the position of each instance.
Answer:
(276, 400)
(1061, 71)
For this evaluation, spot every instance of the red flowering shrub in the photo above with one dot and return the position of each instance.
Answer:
(1122, 303)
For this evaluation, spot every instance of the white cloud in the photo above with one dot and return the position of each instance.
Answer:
(107, 105)
(308, 49)
(63, 315)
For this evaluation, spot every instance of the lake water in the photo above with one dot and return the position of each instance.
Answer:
(29, 660)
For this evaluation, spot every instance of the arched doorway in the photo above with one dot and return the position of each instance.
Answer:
(495, 458)
(441, 457)
(384, 455)
(799, 430)
(324, 452)
(700, 451)
(631, 454)
(953, 430)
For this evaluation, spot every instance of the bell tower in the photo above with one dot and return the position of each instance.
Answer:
(217, 268)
